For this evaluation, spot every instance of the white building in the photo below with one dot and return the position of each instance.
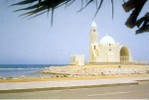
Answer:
(107, 50)
(77, 60)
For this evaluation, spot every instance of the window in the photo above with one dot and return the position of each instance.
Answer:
(94, 47)
(94, 30)
(109, 49)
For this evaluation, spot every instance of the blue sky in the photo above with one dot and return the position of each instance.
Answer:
(34, 41)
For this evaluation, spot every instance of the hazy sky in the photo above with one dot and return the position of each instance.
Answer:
(34, 41)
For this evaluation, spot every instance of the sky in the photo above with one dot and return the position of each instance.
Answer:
(35, 41)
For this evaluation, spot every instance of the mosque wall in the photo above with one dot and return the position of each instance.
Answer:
(108, 53)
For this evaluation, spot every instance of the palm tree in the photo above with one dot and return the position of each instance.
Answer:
(39, 7)
(136, 6)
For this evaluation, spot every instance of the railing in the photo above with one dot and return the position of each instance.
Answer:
(124, 58)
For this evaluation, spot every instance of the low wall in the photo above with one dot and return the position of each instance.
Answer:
(117, 63)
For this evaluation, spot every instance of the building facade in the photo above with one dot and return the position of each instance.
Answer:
(107, 50)
(77, 60)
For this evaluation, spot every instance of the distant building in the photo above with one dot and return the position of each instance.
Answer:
(107, 50)
(77, 60)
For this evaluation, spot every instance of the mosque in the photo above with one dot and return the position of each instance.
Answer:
(106, 51)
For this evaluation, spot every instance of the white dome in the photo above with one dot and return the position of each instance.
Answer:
(107, 40)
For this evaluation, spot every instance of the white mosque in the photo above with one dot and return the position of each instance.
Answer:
(106, 51)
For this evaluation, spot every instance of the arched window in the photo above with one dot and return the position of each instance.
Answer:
(94, 47)
(94, 30)
(124, 54)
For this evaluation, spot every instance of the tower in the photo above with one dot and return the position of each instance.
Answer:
(94, 49)
(93, 33)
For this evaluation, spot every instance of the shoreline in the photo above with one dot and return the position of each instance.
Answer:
(39, 79)
(86, 72)
(109, 75)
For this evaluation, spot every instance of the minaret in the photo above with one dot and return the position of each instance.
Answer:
(93, 41)
(93, 33)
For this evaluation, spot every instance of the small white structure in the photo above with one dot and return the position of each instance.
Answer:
(107, 50)
(77, 60)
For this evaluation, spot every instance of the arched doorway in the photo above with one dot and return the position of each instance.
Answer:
(124, 54)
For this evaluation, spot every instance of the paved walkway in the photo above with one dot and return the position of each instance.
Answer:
(67, 83)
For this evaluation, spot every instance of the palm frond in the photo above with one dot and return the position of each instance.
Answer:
(112, 3)
(98, 8)
(86, 5)
(39, 7)
(25, 2)
(143, 24)
(69, 2)
(29, 8)
(136, 6)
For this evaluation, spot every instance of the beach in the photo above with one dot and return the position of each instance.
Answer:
(86, 72)
(73, 77)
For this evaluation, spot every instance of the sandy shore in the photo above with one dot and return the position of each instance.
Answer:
(94, 68)
(34, 79)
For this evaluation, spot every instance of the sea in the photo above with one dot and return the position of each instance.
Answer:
(17, 70)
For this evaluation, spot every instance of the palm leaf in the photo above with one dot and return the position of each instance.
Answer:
(39, 7)
(112, 8)
(24, 2)
(86, 5)
(28, 8)
(98, 8)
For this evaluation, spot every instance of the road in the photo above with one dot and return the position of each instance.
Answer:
(140, 91)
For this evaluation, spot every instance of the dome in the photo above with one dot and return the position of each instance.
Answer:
(107, 40)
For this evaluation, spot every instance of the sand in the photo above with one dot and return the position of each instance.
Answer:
(34, 79)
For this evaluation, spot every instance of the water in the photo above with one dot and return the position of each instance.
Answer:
(16, 70)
